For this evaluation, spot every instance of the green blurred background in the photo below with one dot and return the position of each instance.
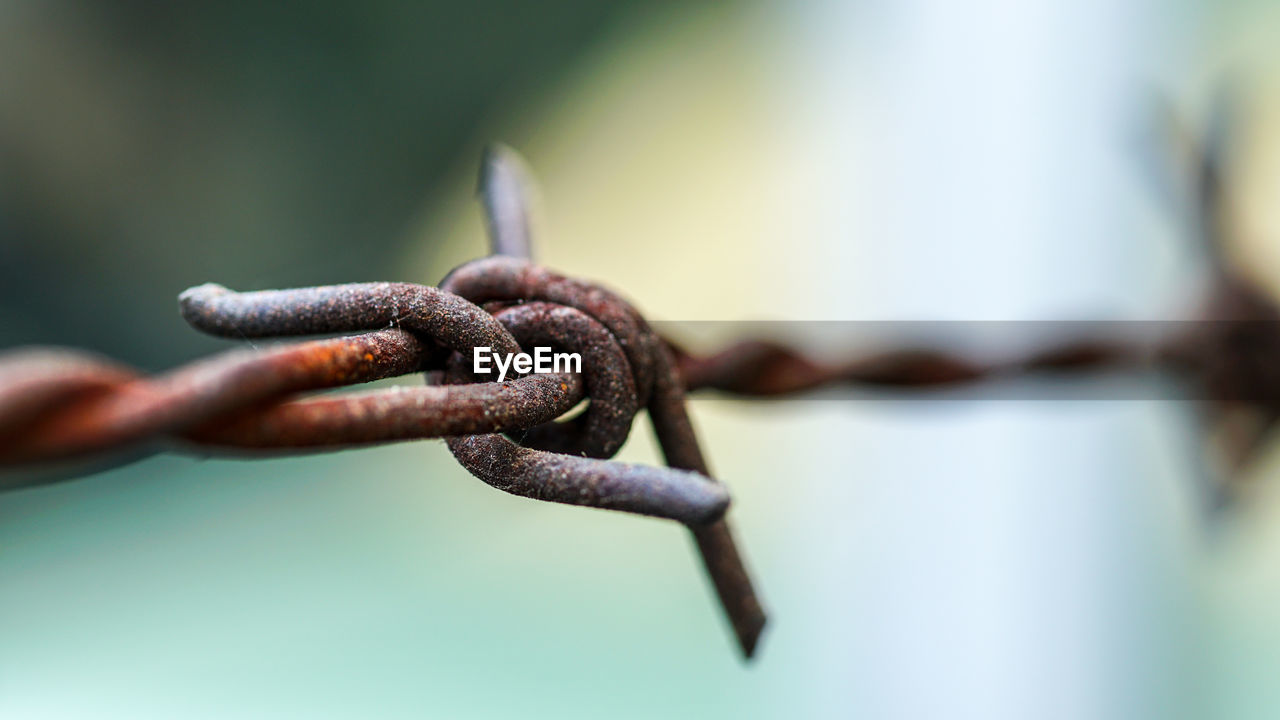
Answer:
(869, 160)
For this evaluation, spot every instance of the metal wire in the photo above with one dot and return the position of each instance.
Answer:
(59, 405)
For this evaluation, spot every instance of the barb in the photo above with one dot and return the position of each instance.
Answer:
(504, 185)
(502, 280)
(1231, 356)
(506, 191)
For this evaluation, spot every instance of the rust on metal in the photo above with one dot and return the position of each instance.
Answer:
(393, 414)
(126, 409)
(514, 435)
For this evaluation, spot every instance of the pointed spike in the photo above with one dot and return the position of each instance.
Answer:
(506, 189)
(1214, 175)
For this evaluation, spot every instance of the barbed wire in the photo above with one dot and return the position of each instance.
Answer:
(58, 405)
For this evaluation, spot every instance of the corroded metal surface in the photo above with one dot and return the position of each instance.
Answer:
(112, 407)
(58, 404)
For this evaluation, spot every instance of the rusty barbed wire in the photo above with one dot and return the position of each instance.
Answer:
(1227, 354)
(57, 405)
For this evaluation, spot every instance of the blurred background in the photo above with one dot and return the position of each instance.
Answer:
(914, 160)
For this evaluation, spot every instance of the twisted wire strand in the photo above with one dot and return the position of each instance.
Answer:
(761, 368)
(57, 404)
(105, 406)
